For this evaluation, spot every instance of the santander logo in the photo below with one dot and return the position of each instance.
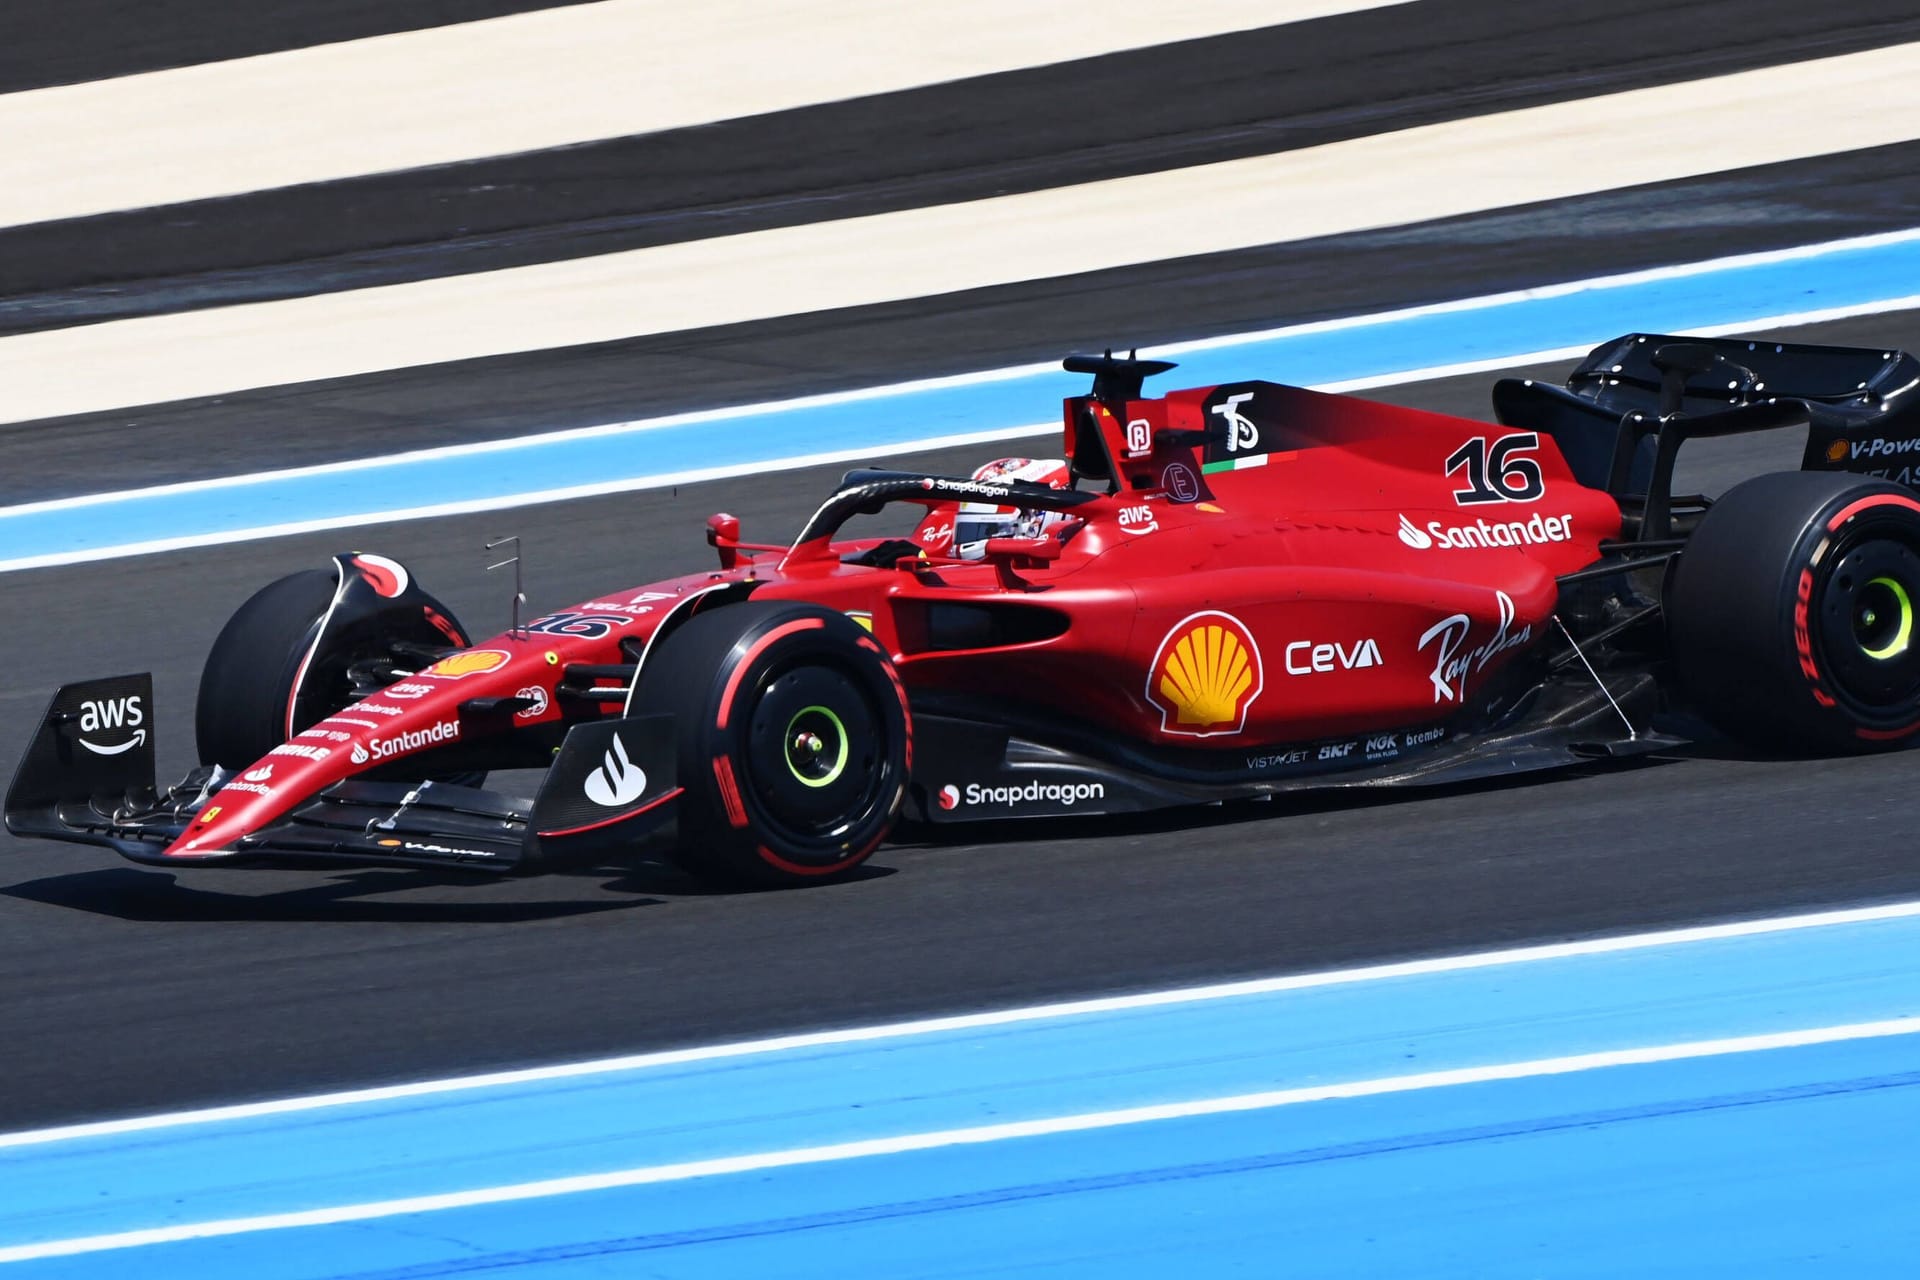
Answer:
(1414, 536)
(618, 780)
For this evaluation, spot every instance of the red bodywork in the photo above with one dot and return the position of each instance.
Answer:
(1273, 566)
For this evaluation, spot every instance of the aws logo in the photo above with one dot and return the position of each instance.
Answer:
(113, 715)
(1205, 675)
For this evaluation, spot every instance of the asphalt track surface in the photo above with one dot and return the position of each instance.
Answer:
(129, 990)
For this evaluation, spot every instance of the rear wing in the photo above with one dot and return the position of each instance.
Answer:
(1856, 383)
(1860, 405)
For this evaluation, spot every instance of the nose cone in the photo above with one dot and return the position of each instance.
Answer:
(415, 715)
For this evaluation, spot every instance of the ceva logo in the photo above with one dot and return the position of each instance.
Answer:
(618, 780)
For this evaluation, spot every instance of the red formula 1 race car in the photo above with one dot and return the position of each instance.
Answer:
(1226, 592)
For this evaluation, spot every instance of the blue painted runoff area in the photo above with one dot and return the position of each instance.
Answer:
(1850, 276)
(1771, 1160)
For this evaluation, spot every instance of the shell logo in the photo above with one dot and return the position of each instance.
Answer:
(1837, 451)
(1205, 675)
(472, 662)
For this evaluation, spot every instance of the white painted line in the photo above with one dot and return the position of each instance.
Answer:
(1756, 324)
(984, 377)
(1053, 1126)
(556, 78)
(1543, 153)
(983, 1021)
(568, 493)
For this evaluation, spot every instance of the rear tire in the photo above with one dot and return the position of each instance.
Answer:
(793, 739)
(1792, 613)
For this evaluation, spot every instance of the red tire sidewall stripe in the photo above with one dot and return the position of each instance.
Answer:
(729, 791)
(773, 859)
(1853, 509)
(759, 646)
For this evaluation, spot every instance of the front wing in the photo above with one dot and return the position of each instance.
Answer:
(67, 789)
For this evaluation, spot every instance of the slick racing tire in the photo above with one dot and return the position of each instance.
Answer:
(241, 713)
(1792, 610)
(793, 737)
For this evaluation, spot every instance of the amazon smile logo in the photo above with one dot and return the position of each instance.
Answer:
(104, 715)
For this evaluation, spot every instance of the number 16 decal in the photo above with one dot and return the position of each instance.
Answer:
(1495, 473)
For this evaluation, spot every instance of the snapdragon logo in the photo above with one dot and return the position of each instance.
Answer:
(1538, 531)
(1065, 794)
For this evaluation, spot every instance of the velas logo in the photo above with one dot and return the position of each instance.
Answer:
(471, 663)
(1204, 676)
(1537, 530)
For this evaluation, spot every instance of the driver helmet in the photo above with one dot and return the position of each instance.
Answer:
(975, 522)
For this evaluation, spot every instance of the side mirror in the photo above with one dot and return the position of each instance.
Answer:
(1044, 548)
(723, 534)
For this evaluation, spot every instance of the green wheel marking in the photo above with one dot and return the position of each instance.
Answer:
(1897, 645)
(839, 765)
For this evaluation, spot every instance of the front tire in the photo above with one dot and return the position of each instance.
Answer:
(241, 711)
(794, 741)
(246, 705)
(1792, 613)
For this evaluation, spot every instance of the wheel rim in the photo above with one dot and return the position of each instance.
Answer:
(1867, 624)
(813, 761)
(1883, 619)
(817, 747)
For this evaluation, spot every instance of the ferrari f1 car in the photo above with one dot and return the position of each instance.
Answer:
(1227, 592)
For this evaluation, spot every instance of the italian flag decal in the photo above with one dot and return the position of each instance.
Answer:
(1247, 463)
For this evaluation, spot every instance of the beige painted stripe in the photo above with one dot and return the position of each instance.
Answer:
(1460, 167)
(549, 79)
